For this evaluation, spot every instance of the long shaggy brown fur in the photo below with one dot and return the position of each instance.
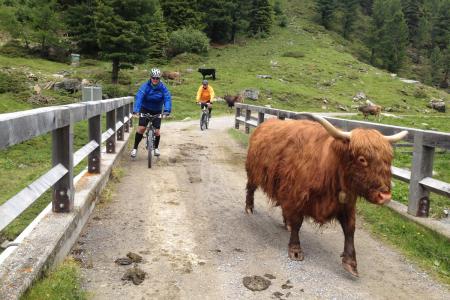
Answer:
(303, 169)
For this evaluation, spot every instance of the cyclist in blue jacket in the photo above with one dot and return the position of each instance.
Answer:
(150, 98)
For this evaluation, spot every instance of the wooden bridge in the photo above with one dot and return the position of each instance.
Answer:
(199, 171)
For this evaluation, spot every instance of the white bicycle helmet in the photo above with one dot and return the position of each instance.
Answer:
(155, 72)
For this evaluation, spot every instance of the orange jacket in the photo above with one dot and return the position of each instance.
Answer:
(205, 95)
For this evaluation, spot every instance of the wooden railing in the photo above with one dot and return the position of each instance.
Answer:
(24, 125)
(424, 142)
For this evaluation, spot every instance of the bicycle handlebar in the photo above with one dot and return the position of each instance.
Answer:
(150, 116)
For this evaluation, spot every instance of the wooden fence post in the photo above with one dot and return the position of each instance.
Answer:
(238, 114)
(95, 133)
(126, 126)
(260, 118)
(62, 153)
(131, 109)
(248, 114)
(119, 112)
(422, 166)
(111, 124)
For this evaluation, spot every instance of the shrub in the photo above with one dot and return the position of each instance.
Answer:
(115, 90)
(188, 40)
(294, 54)
(11, 83)
(420, 93)
(282, 21)
(13, 48)
(126, 66)
(187, 58)
(88, 62)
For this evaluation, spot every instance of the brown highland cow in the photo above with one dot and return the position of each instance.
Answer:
(312, 169)
(374, 110)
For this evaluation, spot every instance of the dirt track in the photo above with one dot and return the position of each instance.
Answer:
(186, 218)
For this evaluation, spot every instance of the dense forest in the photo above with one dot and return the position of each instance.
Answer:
(403, 36)
(396, 34)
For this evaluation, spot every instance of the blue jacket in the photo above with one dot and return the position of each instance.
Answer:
(153, 98)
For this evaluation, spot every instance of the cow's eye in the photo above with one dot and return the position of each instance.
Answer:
(362, 160)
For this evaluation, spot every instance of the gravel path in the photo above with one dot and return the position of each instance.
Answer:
(186, 218)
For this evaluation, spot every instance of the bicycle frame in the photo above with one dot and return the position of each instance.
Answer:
(204, 118)
(150, 135)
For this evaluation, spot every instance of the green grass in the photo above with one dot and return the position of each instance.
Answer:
(9, 103)
(63, 283)
(427, 249)
(22, 164)
(239, 136)
(403, 157)
(33, 64)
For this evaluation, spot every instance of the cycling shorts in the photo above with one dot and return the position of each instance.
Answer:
(204, 104)
(144, 121)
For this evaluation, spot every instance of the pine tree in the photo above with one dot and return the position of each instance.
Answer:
(159, 39)
(81, 26)
(424, 33)
(413, 14)
(45, 23)
(9, 22)
(124, 31)
(326, 10)
(349, 16)
(260, 17)
(240, 16)
(277, 8)
(441, 26)
(378, 19)
(366, 6)
(34, 21)
(218, 19)
(182, 13)
(436, 65)
(394, 37)
(444, 84)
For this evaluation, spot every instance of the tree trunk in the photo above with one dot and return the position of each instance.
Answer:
(372, 56)
(43, 54)
(115, 71)
(27, 43)
(444, 82)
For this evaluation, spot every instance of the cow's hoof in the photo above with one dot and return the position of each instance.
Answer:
(295, 252)
(287, 226)
(249, 209)
(350, 266)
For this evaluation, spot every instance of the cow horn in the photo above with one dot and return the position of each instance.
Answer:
(396, 137)
(333, 131)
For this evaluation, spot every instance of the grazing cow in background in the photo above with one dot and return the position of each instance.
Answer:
(208, 72)
(312, 169)
(174, 76)
(231, 100)
(370, 109)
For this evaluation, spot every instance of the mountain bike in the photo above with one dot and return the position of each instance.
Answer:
(149, 135)
(204, 117)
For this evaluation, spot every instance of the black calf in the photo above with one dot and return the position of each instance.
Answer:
(208, 72)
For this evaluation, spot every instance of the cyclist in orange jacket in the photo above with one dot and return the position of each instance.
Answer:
(205, 96)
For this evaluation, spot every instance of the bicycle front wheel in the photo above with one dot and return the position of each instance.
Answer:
(150, 149)
(203, 122)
